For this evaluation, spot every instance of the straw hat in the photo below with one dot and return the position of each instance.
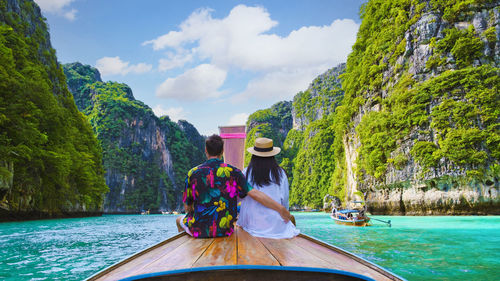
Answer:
(263, 147)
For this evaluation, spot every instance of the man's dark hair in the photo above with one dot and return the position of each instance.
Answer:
(214, 145)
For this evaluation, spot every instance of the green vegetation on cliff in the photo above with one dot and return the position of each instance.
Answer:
(308, 151)
(320, 99)
(273, 123)
(421, 94)
(454, 112)
(47, 146)
(307, 154)
(145, 157)
(313, 165)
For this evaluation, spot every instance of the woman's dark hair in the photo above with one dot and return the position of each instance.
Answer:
(214, 145)
(264, 170)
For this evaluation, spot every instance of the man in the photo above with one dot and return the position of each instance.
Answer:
(210, 195)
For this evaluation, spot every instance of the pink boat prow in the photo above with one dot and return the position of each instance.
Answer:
(234, 145)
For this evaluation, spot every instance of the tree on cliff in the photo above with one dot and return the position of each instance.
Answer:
(50, 161)
(145, 157)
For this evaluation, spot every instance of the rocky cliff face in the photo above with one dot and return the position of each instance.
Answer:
(50, 162)
(273, 123)
(413, 128)
(423, 136)
(300, 128)
(317, 101)
(145, 157)
(278, 117)
(320, 99)
(193, 136)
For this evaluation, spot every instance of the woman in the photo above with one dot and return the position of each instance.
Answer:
(264, 174)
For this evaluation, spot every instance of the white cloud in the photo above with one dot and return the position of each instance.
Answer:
(243, 40)
(199, 83)
(114, 66)
(58, 7)
(278, 85)
(238, 119)
(174, 61)
(175, 113)
(71, 15)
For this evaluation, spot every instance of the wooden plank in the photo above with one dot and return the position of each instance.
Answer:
(181, 257)
(338, 260)
(289, 254)
(140, 259)
(223, 251)
(252, 251)
(183, 251)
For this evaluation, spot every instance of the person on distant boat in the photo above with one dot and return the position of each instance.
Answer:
(264, 174)
(210, 195)
(334, 211)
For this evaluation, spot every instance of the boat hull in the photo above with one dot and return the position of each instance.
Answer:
(244, 257)
(362, 222)
(251, 273)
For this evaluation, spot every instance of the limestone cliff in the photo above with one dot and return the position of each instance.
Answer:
(301, 129)
(320, 99)
(193, 137)
(273, 123)
(50, 162)
(412, 124)
(145, 157)
(421, 135)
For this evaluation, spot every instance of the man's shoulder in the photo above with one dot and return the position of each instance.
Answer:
(197, 169)
(226, 170)
(234, 169)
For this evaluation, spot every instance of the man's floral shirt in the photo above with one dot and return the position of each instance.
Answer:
(212, 188)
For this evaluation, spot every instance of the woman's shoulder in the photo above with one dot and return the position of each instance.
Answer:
(283, 173)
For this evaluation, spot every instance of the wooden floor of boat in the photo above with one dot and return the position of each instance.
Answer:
(182, 251)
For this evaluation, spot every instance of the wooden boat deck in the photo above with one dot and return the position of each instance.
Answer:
(184, 252)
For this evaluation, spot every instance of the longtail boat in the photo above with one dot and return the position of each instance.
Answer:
(244, 257)
(350, 217)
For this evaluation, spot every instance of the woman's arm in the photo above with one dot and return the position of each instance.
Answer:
(267, 201)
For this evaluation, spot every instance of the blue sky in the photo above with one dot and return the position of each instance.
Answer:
(211, 63)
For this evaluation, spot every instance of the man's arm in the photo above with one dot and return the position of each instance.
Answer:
(267, 201)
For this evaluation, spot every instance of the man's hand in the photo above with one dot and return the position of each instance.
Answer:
(267, 201)
(285, 214)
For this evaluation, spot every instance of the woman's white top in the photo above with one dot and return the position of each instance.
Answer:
(261, 221)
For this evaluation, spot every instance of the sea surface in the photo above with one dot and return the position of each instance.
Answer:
(415, 248)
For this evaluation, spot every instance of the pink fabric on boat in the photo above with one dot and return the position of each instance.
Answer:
(233, 135)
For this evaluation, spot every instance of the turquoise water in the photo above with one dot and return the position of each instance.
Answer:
(416, 248)
(419, 248)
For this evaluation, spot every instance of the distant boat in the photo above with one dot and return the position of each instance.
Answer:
(145, 212)
(350, 217)
(244, 257)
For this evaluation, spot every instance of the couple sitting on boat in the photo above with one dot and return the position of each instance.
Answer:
(212, 188)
